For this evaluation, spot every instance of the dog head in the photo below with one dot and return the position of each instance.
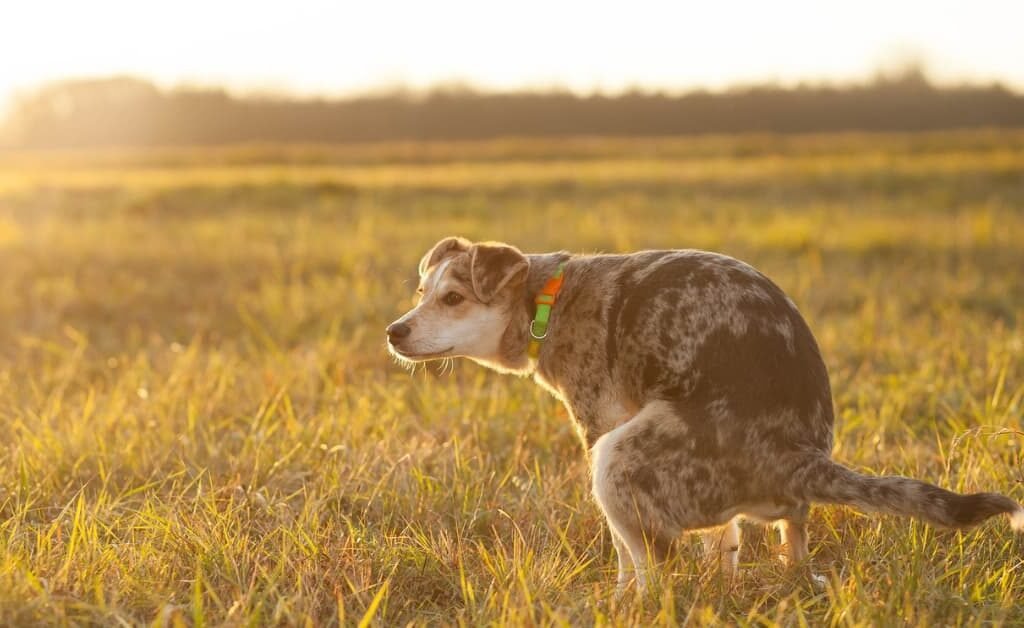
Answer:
(467, 293)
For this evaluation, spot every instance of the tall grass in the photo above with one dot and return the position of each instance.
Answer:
(203, 427)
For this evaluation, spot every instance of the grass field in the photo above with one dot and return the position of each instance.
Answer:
(202, 425)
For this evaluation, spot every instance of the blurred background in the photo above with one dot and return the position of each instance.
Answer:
(209, 211)
(118, 73)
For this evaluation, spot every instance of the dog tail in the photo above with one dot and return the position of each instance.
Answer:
(820, 479)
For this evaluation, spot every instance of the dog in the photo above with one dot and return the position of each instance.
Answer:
(692, 379)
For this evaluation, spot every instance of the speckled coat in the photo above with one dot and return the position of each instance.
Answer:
(699, 391)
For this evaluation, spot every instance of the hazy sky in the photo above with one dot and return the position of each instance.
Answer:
(336, 47)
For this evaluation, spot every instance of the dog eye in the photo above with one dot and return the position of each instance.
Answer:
(452, 298)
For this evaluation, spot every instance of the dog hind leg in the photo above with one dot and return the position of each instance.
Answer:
(632, 494)
(626, 570)
(793, 529)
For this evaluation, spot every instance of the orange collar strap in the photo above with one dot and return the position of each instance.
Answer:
(545, 301)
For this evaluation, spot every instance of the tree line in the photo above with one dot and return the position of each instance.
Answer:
(133, 112)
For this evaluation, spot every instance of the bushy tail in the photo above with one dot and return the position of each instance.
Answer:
(822, 480)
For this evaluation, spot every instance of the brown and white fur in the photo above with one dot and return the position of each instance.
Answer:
(693, 381)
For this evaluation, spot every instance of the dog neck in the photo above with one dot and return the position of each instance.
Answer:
(515, 341)
(542, 268)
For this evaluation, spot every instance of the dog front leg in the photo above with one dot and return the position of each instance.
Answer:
(724, 544)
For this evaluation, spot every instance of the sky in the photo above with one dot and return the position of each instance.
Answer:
(336, 48)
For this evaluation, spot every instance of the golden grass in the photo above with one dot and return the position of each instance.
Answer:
(488, 175)
(203, 426)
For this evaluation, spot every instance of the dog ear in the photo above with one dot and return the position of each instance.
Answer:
(493, 266)
(442, 248)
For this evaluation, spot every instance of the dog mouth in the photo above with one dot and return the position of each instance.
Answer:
(421, 356)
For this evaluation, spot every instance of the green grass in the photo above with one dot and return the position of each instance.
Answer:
(202, 425)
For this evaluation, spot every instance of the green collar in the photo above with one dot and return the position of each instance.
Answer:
(545, 301)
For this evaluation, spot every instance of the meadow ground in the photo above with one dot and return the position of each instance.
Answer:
(201, 424)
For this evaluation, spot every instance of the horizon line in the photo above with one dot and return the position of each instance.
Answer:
(254, 90)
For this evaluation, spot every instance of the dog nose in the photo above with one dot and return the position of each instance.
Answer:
(397, 331)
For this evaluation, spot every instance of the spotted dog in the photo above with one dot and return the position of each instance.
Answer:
(692, 379)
